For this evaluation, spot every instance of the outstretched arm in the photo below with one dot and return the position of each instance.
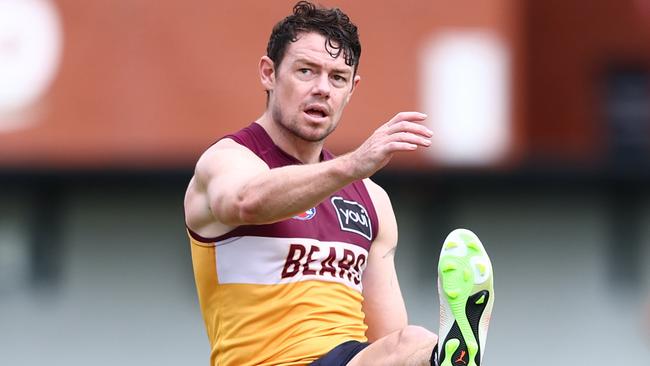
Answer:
(233, 187)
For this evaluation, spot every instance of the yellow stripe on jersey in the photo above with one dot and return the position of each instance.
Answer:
(289, 323)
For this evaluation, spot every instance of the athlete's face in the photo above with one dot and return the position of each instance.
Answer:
(310, 88)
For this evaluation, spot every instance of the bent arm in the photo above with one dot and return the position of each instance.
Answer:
(383, 303)
(232, 186)
(243, 190)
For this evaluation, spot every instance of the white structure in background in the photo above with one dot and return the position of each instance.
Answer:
(30, 51)
(465, 90)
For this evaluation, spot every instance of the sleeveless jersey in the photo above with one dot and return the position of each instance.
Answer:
(285, 293)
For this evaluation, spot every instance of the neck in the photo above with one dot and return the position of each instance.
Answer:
(306, 151)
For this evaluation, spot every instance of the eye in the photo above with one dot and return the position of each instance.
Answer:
(339, 80)
(304, 71)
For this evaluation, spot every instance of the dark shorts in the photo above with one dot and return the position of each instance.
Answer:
(341, 354)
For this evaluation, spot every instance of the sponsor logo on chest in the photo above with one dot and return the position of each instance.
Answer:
(353, 217)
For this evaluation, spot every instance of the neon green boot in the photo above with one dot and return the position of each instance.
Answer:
(466, 291)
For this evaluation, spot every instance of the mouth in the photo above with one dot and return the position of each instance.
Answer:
(316, 111)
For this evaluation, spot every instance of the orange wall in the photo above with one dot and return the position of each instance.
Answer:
(151, 84)
(570, 45)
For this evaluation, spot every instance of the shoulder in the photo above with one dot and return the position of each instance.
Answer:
(378, 195)
(224, 152)
(220, 172)
(220, 148)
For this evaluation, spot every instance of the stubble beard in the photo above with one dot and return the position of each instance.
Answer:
(293, 127)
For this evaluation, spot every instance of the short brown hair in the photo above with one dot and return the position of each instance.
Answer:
(340, 34)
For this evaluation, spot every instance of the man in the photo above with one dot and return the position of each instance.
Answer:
(292, 247)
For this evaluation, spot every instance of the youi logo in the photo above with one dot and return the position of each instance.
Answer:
(307, 215)
(353, 217)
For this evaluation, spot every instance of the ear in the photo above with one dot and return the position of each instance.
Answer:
(355, 83)
(267, 73)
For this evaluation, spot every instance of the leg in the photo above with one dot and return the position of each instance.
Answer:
(411, 346)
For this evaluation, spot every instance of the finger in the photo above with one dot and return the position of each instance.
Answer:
(410, 138)
(396, 146)
(407, 116)
(411, 127)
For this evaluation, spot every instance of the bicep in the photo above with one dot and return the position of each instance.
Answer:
(224, 171)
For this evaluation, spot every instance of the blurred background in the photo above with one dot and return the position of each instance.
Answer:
(542, 117)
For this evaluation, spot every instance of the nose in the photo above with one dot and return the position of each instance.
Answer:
(322, 85)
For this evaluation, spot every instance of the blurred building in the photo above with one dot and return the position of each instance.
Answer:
(542, 117)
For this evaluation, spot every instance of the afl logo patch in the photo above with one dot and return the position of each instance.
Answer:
(353, 217)
(307, 215)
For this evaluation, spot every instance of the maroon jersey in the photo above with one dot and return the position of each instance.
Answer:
(348, 215)
(287, 292)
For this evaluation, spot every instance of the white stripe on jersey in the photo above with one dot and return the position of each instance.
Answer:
(271, 261)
